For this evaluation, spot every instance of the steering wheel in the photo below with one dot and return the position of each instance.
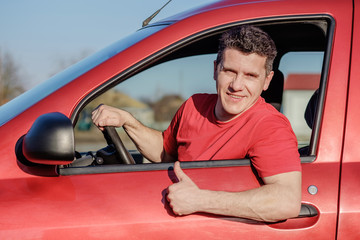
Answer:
(121, 152)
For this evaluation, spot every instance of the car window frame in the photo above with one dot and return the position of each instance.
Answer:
(156, 57)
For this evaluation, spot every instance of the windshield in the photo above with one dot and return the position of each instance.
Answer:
(39, 92)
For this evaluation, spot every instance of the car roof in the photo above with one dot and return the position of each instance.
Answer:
(304, 34)
(222, 4)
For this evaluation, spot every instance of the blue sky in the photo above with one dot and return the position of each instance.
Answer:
(40, 34)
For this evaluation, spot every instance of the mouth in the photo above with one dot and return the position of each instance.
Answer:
(235, 96)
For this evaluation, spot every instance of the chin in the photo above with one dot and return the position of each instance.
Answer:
(234, 111)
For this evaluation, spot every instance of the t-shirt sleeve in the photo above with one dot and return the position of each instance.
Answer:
(275, 149)
(169, 135)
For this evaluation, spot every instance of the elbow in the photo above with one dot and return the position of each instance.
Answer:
(283, 212)
(293, 207)
(292, 211)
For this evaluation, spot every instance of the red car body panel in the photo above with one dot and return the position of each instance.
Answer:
(131, 205)
(349, 207)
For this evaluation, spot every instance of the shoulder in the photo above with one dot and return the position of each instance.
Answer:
(273, 148)
(201, 101)
(203, 98)
(269, 122)
(265, 112)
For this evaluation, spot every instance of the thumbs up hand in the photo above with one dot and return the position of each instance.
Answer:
(183, 196)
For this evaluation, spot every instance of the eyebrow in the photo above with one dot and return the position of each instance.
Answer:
(253, 74)
(222, 67)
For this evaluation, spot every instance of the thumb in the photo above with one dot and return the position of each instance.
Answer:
(179, 172)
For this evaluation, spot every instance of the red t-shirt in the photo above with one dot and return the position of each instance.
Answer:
(261, 133)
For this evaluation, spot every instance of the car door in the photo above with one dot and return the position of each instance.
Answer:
(140, 190)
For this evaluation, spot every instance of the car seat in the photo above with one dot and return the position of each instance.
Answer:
(274, 93)
(309, 116)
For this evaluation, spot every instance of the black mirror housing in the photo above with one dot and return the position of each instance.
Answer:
(50, 140)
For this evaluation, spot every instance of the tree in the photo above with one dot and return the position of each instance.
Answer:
(9, 78)
(166, 107)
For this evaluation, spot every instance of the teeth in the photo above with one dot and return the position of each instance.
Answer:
(238, 97)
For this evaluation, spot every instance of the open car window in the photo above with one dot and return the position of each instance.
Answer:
(154, 94)
(302, 74)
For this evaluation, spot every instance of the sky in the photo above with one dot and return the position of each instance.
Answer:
(43, 35)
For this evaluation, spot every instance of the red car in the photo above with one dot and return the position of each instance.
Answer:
(60, 178)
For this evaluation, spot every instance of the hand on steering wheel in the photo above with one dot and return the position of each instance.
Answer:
(121, 151)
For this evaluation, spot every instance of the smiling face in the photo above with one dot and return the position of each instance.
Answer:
(240, 79)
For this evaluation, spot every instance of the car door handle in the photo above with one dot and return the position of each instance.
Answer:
(307, 210)
(308, 216)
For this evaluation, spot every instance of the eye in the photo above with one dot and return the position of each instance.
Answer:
(229, 73)
(251, 75)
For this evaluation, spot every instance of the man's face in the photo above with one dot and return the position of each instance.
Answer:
(240, 79)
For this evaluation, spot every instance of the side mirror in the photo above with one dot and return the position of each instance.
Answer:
(50, 140)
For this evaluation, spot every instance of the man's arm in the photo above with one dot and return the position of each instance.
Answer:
(148, 141)
(278, 199)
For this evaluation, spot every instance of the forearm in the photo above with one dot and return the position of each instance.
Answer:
(278, 199)
(267, 203)
(148, 141)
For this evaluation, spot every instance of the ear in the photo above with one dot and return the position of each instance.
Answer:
(215, 70)
(268, 80)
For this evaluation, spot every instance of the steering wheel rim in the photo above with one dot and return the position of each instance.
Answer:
(122, 153)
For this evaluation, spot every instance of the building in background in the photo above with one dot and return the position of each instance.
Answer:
(298, 88)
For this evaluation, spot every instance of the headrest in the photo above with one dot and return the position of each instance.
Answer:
(311, 109)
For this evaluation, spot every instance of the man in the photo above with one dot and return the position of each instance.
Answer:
(232, 124)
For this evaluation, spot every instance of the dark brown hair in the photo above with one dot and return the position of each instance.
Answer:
(248, 39)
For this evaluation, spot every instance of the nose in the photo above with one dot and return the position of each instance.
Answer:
(238, 83)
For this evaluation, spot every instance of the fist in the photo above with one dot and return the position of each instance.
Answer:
(183, 196)
(104, 115)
